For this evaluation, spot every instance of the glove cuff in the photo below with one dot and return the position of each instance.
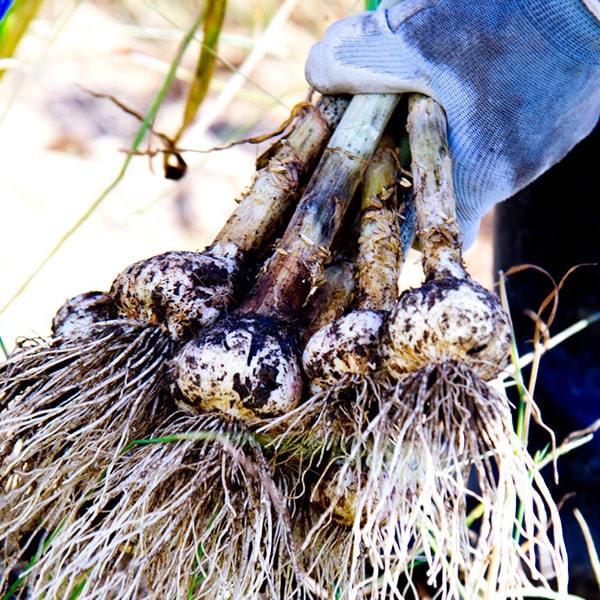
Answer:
(569, 25)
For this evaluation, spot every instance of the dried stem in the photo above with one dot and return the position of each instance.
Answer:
(277, 183)
(438, 229)
(348, 347)
(332, 296)
(379, 255)
(282, 288)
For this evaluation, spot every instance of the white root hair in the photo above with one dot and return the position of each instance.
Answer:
(67, 410)
(196, 512)
(425, 470)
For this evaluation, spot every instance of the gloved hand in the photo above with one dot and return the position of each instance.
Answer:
(519, 80)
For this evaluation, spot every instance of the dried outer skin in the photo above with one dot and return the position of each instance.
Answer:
(81, 312)
(347, 347)
(331, 298)
(283, 287)
(276, 185)
(344, 494)
(437, 227)
(380, 253)
(244, 366)
(448, 319)
(180, 291)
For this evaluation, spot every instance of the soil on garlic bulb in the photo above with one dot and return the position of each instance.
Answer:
(245, 367)
(448, 319)
(344, 350)
(81, 312)
(179, 291)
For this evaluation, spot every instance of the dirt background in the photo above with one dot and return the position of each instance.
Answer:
(61, 147)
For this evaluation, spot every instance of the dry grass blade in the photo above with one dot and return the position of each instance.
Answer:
(589, 542)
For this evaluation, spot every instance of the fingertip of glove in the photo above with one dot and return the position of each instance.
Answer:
(315, 70)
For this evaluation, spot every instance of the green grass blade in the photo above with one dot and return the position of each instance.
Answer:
(79, 587)
(194, 436)
(14, 26)
(214, 14)
(139, 137)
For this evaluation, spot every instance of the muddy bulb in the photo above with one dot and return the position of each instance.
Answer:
(179, 290)
(340, 491)
(348, 492)
(245, 366)
(346, 347)
(445, 320)
(79, 313)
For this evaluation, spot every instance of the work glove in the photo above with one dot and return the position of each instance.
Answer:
(519, 81)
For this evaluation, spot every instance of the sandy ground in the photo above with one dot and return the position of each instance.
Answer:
(61, 147)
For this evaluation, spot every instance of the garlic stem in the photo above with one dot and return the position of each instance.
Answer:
(349, 345)
(380, 254)
(434, 198)
(276, 185)
(282, 288)
(450, 318)
(332, 297)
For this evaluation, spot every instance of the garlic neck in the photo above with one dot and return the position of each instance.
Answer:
(442, 255)
(228, 252)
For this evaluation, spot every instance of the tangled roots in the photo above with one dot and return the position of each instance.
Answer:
(66, 412)
(425, 470)
(191, 512)
(327, 443)
(450, 451)
(379, 475)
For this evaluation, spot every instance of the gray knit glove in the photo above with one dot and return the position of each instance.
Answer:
(519, 80)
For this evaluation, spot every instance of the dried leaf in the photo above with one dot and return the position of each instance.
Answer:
(214, 13)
